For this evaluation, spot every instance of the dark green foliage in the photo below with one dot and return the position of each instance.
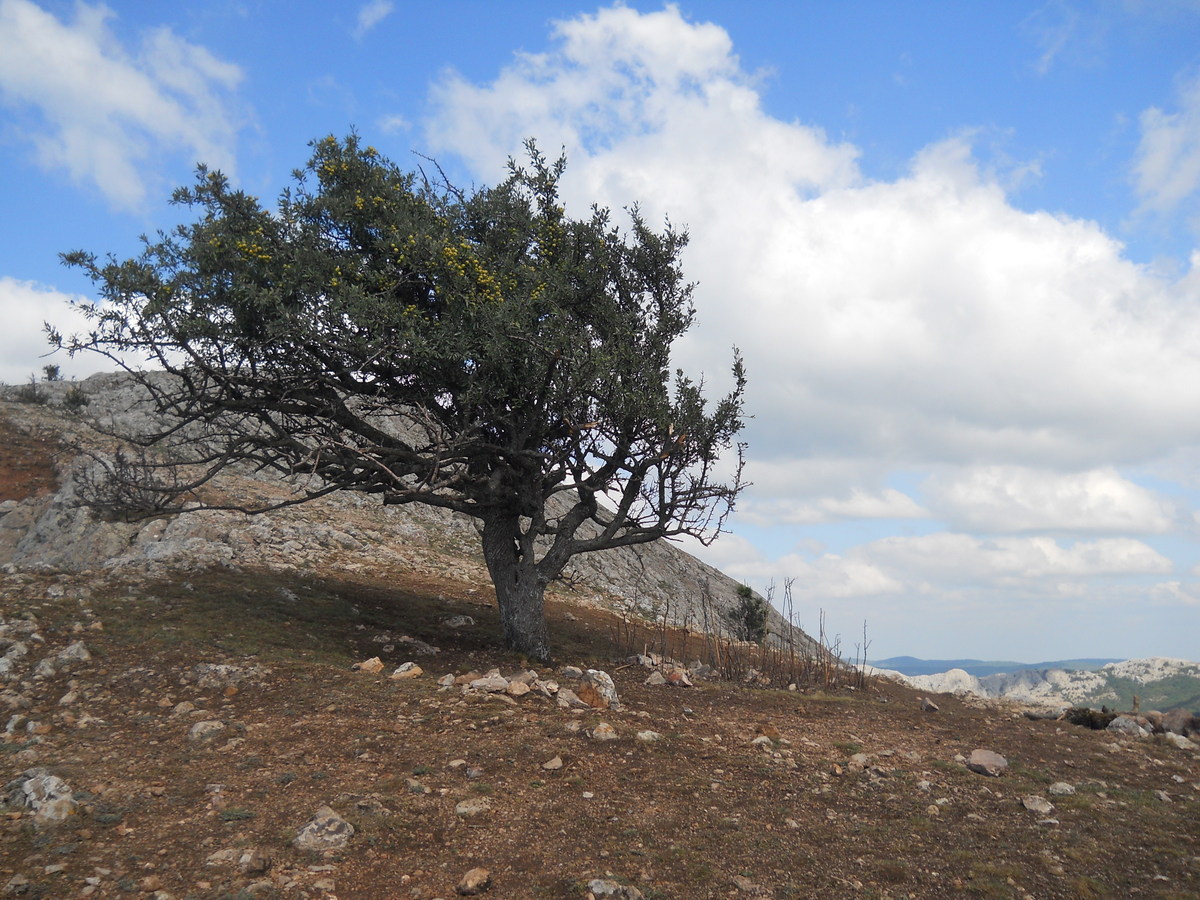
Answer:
(1097, 720)
(748, 617)
(480, 352)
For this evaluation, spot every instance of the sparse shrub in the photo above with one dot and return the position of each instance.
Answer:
(748, 618)
(31, 393)
(75, 398)
(52, 373)
(127, 487)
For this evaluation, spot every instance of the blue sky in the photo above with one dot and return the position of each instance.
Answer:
(955, 243)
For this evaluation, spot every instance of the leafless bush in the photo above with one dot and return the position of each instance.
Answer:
(128, 485)
(787, 657)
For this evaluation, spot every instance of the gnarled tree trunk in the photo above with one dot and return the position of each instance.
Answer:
(520, 587)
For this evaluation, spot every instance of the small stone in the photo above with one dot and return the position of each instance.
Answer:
(928, 705)
(987, 762)
(205, 731)
(475, 806)
(255, 862)
(48, 796)
(518, 689)
(325, 831)
(602, 887)
(494, 684)
(476, 881)
(571, 672)
(372, 666)
(745, 885)
(568, 699)
(1061, 789)
(446, 681)
(604, 732)
(151, 883)
(678, 678)
(648, 736)
(458, 622)
(1036, 804)
(1163, 796)
(407, 670)
(1178, 740)
(656, 678)
(552, 765)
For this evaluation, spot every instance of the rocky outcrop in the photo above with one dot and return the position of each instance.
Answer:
(1058, 687)
(346, 531)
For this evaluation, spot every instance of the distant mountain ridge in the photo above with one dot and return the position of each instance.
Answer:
(911, 665)
(1156, 682)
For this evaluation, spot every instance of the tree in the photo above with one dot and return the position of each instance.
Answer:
(385, 332)
(748, 618)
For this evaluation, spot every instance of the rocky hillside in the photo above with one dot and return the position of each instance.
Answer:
(315, 705)
(1157, 683)
(350, 533)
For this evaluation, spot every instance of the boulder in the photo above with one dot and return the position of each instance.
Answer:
(1127, 725)
(1178, 740)
(597, 690)
(1180, 721)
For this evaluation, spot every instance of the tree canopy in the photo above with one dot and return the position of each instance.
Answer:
(478, 351)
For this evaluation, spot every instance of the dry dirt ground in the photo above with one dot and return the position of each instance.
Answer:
(703, 812)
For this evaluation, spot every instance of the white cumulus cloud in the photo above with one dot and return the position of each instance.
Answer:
(923, 324)
(917, 321)
(103, 112)
(1013, 499)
